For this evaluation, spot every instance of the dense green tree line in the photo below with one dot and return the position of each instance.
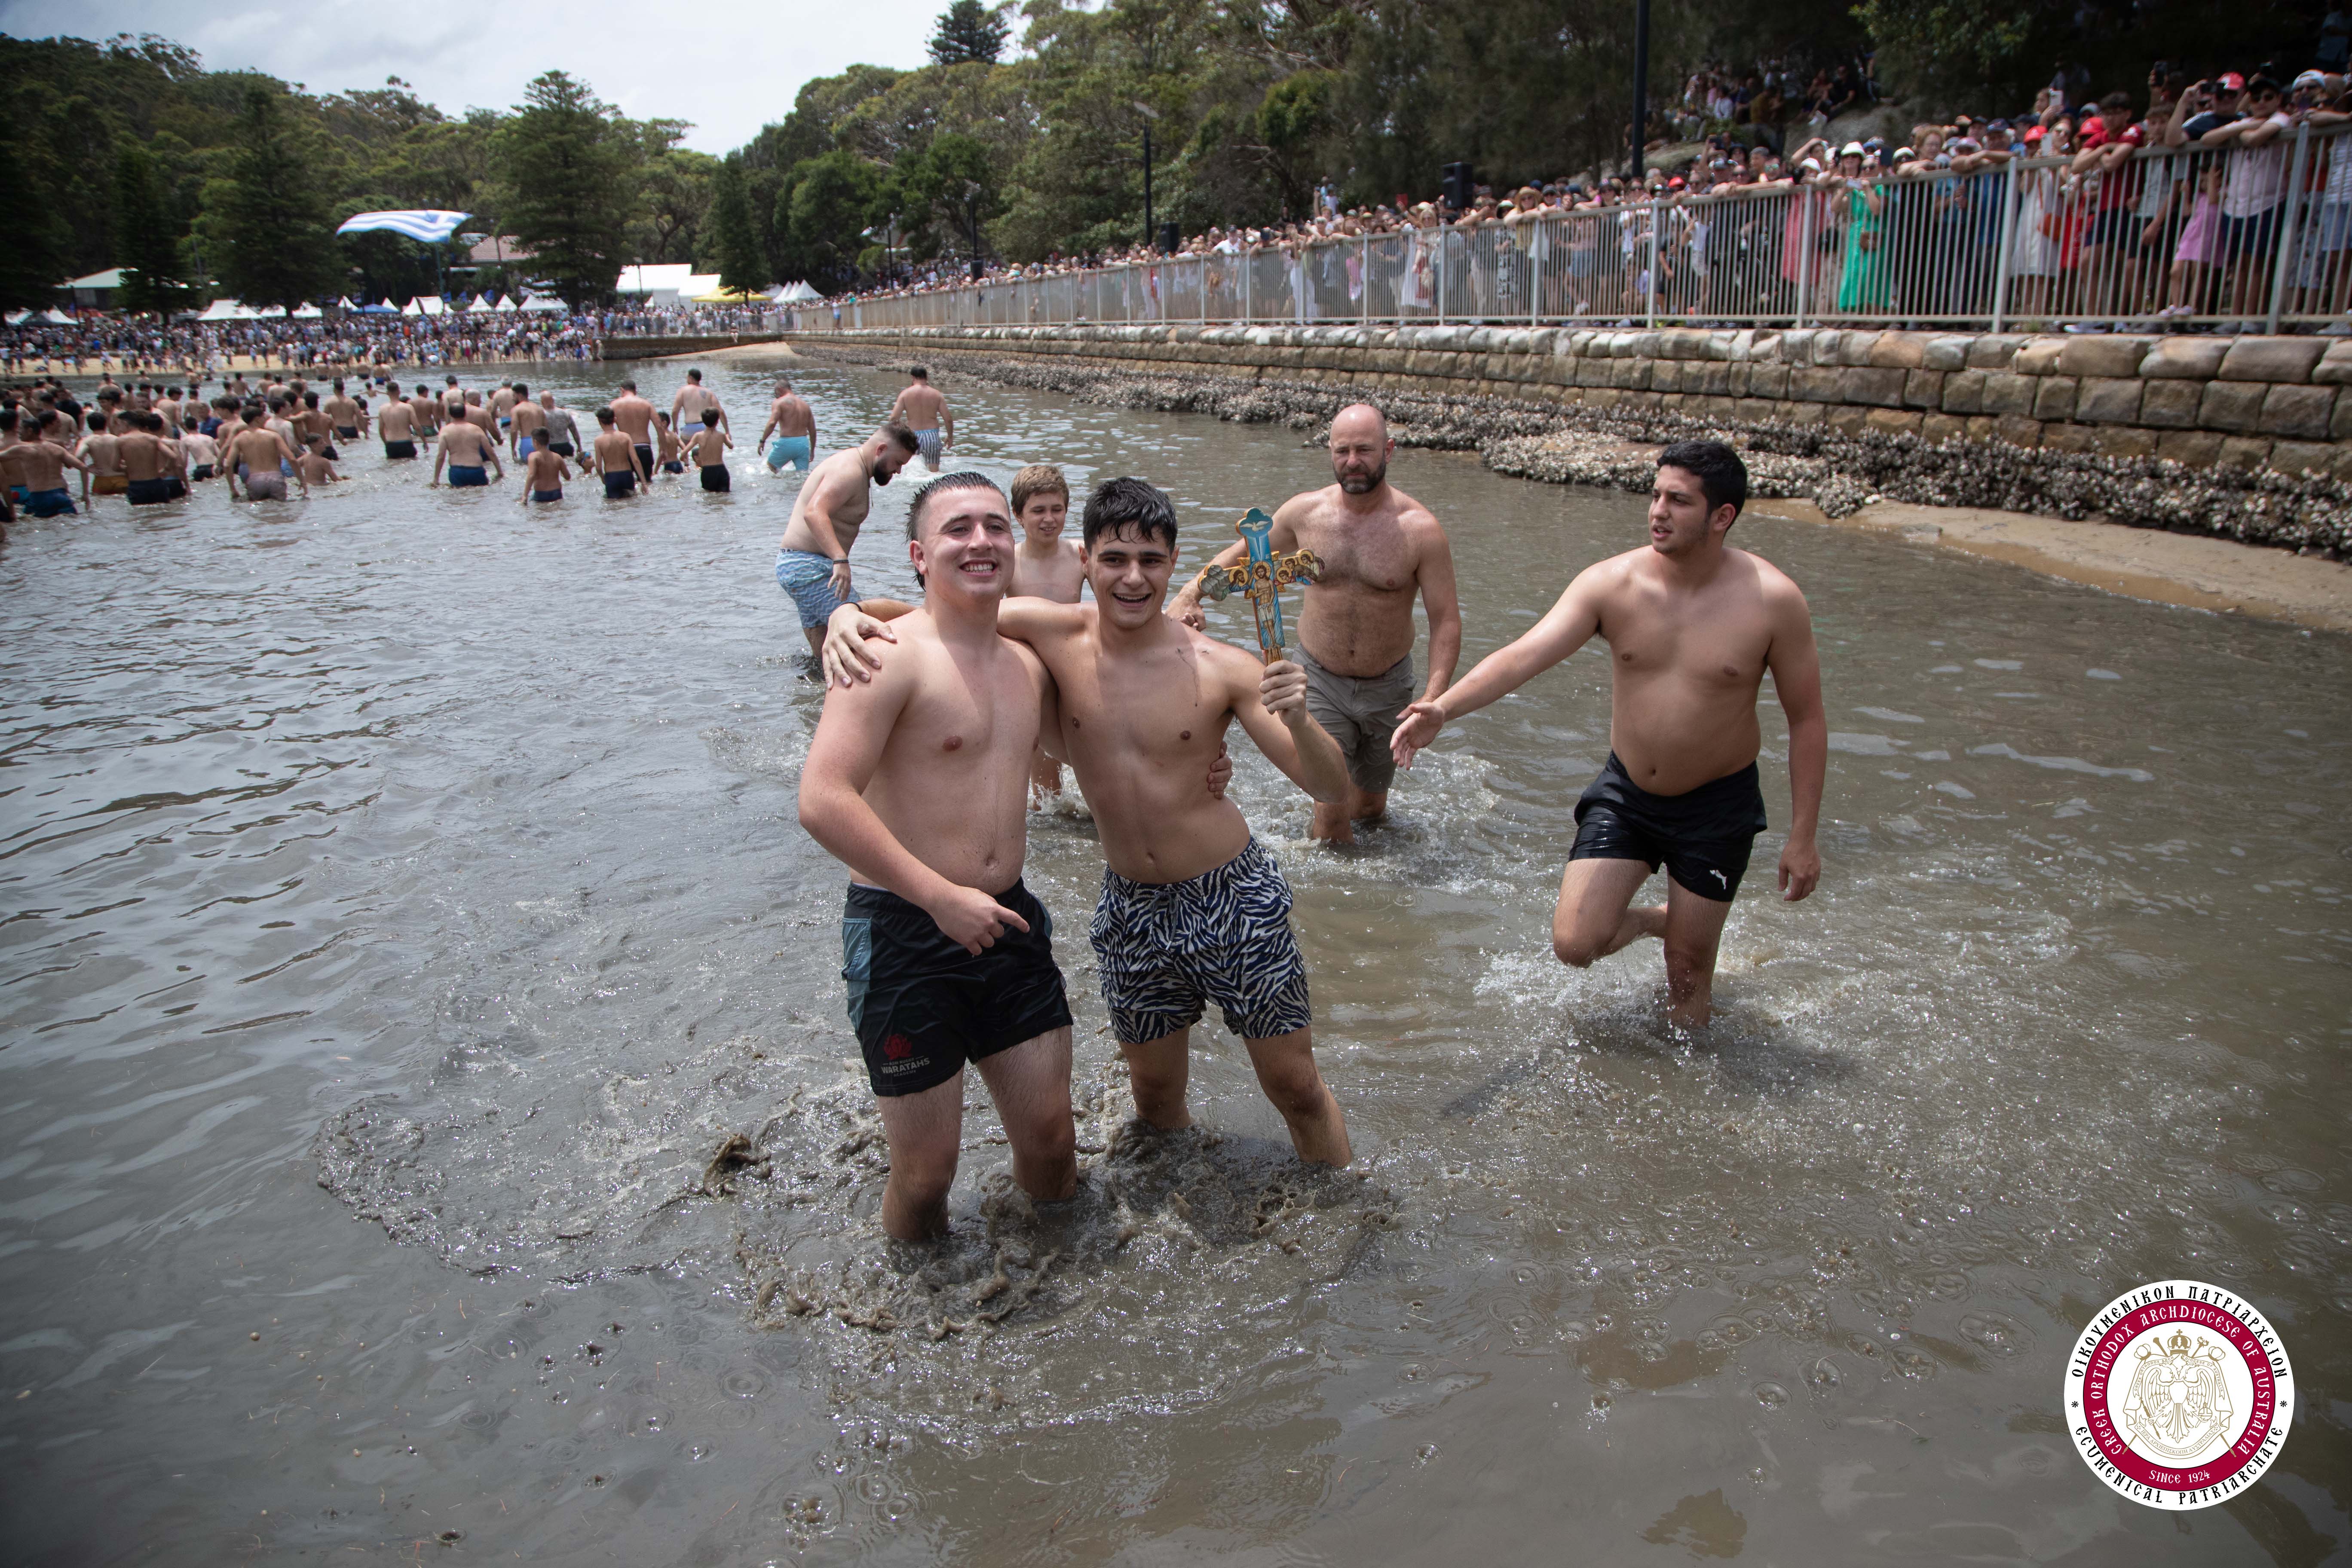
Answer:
(128, 152)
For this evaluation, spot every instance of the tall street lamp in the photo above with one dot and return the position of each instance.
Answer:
(1150, 114)
(1641, 80)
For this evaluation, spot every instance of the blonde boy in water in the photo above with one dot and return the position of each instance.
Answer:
(1045, 566)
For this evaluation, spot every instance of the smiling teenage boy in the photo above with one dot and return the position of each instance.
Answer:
(1193, 907)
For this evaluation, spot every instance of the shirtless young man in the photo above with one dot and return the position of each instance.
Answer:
(524, 421)
(620, 460)
(1194, 909)
(202, 452)
(1045, 567)
(397, 425)
(469, 454)
(921, 409)
(38, 463)
(710, 445)
(148, 462)
(257, 457)
(350, 420)
(695, 406)
(428, 411)
(813, 559)
(101, 452)
(793, 423)
(1692, 627)
(634, 416)
(915, 782)
(1379, 547)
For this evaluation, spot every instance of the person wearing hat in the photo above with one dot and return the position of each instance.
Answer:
(2253, 189)
(2111, 250)
(1861, 279)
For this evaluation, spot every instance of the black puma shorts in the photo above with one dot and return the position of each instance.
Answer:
(923, 1006)
(1702, 836)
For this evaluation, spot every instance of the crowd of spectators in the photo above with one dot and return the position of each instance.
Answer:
(106, 341)
(2165, 207)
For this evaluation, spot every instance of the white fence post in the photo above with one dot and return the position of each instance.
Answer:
(2282, 275)
(2008, 237)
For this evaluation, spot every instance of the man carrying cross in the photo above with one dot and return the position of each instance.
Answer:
(1193, 907)
(1379, 548)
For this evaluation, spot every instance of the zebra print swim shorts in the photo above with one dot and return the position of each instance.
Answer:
(1166, 949)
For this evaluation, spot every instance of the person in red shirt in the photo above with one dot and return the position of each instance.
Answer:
(2111, 140)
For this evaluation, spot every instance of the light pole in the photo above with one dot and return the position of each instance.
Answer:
(1149, 114)
(1641, 80)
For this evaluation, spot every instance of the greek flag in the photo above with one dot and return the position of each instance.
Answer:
(429, 224)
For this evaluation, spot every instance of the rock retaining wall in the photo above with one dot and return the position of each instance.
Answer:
(2248, 437)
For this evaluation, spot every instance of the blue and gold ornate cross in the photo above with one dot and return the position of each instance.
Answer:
(1260, 577)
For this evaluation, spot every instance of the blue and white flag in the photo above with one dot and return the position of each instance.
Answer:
(429, 224)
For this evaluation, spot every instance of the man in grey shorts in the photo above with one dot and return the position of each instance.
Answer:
(1379, 548)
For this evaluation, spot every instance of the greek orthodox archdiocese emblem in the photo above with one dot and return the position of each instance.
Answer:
(2178, 1394)
(2178, 1405)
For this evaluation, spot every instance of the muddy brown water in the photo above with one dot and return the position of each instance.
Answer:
(403, 904)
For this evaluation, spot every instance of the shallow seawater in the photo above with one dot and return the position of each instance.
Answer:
(403, 906)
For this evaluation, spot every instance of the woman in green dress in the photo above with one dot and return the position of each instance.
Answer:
(1862, 289)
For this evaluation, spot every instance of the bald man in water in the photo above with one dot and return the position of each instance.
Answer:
(1379, 548)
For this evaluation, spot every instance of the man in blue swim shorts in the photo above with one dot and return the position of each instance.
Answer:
(813, 563)
(468, 452)
(794, 424)
(923, 409)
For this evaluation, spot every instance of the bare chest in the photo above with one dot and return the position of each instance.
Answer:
(1155, 711)
(1362, 554)
(1723, 651)
(960, 728)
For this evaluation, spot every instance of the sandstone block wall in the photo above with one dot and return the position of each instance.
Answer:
(2283, 404)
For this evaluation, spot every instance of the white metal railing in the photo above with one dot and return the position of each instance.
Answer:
(2169, 238)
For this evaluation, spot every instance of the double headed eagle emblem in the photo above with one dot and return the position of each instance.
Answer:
(2179, 1403)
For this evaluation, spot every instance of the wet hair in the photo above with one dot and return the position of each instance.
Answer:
(904, 437)
(310, 400)
(695, 376)
(604, 416)
(1722, 477)
(966, 480)
(521, 391)
(920, 372)
(1118, 505)
(98, 422)
(1038, 479)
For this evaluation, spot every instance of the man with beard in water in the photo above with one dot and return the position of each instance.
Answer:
(1378, 546)
(918, 781)
(1194, 909)
(1692, 627)
(813, 561)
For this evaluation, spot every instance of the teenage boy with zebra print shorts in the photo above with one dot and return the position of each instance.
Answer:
(1194, 909)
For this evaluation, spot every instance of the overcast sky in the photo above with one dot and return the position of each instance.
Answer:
(728, 66)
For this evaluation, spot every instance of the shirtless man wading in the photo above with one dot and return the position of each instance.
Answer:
(921, 409)
(634, 416)
(259, 458)
(1378, 546)
(916, 780)
(1194, 909)
(813, 562)
(695, 406)
(397, 425)
(793, 423)
(1691, 626)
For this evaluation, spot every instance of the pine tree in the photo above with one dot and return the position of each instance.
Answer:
(277, 246)
(569, 186)
(147, 238)
(969, 31)
(742, 266)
